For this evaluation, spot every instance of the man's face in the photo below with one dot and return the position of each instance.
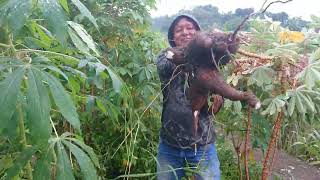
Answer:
(183, 32)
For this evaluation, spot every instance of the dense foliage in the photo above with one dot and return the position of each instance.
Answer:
(80, 96)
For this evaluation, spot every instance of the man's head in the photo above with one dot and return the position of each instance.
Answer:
(182, 30)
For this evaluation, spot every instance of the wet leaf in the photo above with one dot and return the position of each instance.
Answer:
(55, 17)
(9, 89)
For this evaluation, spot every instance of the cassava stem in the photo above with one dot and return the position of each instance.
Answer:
(246, 147)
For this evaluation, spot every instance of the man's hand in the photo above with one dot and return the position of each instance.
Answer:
(176, 55)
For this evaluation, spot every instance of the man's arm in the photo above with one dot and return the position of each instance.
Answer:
(165, 67)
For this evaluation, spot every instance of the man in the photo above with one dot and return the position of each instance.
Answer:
(179, 148)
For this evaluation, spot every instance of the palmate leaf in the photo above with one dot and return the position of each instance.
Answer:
(55, 69)
(20, 162)
(310, 75)
(87, 149)
(80, 45)
(9, 89)
(87, 168)
(84, 155)
(300, 99)
(82, 33)
(274, 104)
(85, 12)
(55, 18)
(261, 75)
(64, 4)
(316, 55)
(42, 168)
(63, 101)
(15, 13)
(38, 108)
(64, 171)
(117, 82)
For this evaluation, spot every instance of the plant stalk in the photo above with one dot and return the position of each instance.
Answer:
(24, 140)
(271, 146)
(246, 150)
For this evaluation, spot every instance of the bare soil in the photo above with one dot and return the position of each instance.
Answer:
(288, 167)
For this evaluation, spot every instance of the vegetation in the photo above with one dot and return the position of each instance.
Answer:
(80, 96)
(210, 17)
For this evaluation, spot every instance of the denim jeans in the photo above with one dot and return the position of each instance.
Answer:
(172, 162)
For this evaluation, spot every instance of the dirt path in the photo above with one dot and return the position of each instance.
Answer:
(290, 168)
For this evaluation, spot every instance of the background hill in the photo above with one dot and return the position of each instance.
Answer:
(209, 17)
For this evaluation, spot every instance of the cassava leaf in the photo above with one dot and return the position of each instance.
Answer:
(261, 75)
(64, 171)
(63, 101)
(9, 89)
(15, 13)
(292, 104)
(55, 17)
(64, 4)
(85, 12)
(42, 167)
(116, 80)
(38, 108)
(55, 69)
(87, 149)
(82, 33)
(20, 162)
(78, 42)
(87, 168)
(274, 104)
(310, 75)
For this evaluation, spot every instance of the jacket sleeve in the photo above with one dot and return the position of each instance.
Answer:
(165, 67)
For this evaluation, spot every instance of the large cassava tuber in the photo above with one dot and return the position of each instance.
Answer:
(205, 53)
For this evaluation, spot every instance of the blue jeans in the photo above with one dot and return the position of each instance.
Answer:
(172, 162)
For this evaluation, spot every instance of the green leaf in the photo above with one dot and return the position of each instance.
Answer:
(261, 75)
(63, 101)
(20, 162)
(300, 105)
(6, 162)
(116, 80)
(307, 102)
(38, 108)
(85, 12)
(78, 42)
(87, 168)
(15, 13)
(274, 104)
(64, 4)
(82, 33)
(101, 106)
(310, 75)
(55, 69)
(55, 18)
(10, 128)
(292, 104)
(64, 171)
(88, 150)
(42, 169)
(9, 89)
(316, 55)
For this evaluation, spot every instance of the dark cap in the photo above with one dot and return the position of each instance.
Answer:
(175, 22)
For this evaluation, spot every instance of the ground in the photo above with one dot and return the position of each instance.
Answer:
(291, 168)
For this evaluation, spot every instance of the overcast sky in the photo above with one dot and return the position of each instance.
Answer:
(299, 8)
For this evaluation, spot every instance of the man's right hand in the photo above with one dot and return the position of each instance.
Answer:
(176, 55)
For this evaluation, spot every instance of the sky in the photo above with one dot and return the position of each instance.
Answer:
(298, 8)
